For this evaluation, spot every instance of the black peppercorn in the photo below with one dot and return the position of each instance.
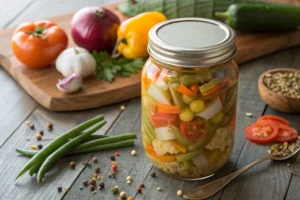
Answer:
(40, 146)
(85, 182)
(112, 158)
(101, 185)
(153, 174)
(92, 187)
(97, 169)
(59, 189)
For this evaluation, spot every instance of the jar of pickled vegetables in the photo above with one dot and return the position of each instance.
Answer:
(189, 92)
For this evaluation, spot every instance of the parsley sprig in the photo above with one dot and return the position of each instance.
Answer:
(108, 67)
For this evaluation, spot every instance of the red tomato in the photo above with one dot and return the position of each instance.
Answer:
(262, 132)
(38, 44)
(163, 119)
(194, 88)
(286, 133)
(274, 118)
(193, 130)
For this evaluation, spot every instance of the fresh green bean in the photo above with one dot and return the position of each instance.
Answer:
(115, 145)
(180, 137)
(61, 151)
(189, 156)
(95, 137)
(35, 168)
(227, 117)
(230, 102)
(58, 142)
(26, 153)
(195, 78)
(112, 139)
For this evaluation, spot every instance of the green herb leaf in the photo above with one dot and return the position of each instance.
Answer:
(108, 67)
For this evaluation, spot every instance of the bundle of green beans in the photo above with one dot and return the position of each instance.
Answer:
(179, 8)
(75, 141)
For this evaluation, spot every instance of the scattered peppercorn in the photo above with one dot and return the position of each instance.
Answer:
(114, 174)
(117, 154)
(153, 174)
(72, 164)
(40, 146)
(128, 182)
(249, 114)
(49, 126)
(114, 167)
(94, 192)
(59, 189)
(179, 193)
(67, 189)
(81, 188)
(31, 126)
(142, 185)
(41, 132)
(95, 175)
(112, 158)
(158, 189)
(139, 190)
(95, 160)
(133, 152)
(38, 137)
(129, 178)
(92, 182)
(27, 122)
(122, 107)
(101, 185)
(129, 198)
(123, 195)
(92, 187)
(109, 175)
(114, 189)
(85, 182)
(119, 198)
(33, 146)
(97, 169)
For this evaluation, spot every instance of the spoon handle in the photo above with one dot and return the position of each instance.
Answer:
(212, 188)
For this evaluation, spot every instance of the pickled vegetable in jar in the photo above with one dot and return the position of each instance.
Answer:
(189, 92)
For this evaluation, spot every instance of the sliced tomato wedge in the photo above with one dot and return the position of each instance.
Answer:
(163, 119)
(274, 118)
(286, 133)
(262, 132)
(193, 130)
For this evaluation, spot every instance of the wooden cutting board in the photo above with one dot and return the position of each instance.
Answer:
(41, 83)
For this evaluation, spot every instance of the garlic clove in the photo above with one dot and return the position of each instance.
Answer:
(70, 83)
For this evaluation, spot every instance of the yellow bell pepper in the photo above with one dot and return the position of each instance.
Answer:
(133, 34)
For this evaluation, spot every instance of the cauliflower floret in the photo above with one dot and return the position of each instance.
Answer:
(222, 139)
(161, 147)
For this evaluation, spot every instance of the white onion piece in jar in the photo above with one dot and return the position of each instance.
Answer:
(165, 133)
(200, 162)
(160, 82)
(212, 108)
(159, 95)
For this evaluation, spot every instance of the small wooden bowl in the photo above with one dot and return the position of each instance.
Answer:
(276, 101)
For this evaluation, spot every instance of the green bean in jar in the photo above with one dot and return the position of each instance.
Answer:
(189, 100)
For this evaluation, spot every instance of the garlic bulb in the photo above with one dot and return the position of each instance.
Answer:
(77, 60)
(70, 83)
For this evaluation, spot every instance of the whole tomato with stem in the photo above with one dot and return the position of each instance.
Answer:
(38, 44)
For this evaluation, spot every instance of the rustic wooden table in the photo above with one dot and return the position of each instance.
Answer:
(267, 181)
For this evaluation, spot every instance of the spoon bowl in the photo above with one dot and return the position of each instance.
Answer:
(276, 101)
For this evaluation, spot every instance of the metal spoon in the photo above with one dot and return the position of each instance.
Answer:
(212, 188)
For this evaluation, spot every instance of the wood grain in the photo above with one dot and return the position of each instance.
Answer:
(273, 176)
(61, 174)
(41, 84)
(135, 166)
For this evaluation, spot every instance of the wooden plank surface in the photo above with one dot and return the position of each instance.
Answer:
(249, 186)
(41, 84)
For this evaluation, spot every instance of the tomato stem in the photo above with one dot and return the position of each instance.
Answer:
(38, 31)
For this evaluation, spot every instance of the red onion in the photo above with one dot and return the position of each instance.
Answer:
(95, 28)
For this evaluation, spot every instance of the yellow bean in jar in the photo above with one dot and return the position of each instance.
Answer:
(197, 105)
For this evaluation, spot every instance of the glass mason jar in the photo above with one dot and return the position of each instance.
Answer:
(189, 92)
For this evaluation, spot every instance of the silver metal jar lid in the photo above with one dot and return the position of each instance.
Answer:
(191, 42)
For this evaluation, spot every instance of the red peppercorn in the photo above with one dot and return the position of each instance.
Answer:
(117, 153)
(114, 167)
(142, 185)
(139, 190)
(95, 175)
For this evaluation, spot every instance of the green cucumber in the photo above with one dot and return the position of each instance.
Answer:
(261, 17)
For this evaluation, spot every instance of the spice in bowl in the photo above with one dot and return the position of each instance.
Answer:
(284, 83)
